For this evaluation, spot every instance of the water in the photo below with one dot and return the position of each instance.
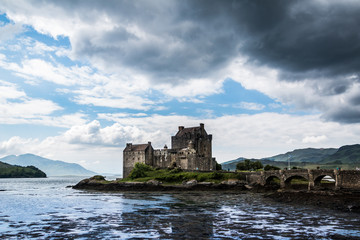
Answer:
(46, 209)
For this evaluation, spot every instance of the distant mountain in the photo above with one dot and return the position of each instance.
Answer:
(346, 155)
(50, 167)
(231, 165)
(312, 155)
(349, 154)
(11, 171)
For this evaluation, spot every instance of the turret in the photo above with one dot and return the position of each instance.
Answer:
(191, 145)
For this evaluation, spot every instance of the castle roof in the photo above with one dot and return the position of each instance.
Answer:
(191, 130)
(136, 147)
(187, 130)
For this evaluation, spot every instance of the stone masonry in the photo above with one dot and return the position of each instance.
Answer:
(191, 149)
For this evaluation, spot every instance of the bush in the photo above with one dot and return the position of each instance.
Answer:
(247, 165)
(218, 166)
(98, 178)
(216, 176)
(270, 167)
(176, 170)
(139, 171)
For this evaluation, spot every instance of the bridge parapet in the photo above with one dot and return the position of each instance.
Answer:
(343, 178)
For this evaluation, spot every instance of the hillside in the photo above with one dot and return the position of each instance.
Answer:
(311, 155)
(231, 165)
(50, 167)
(346, 157)
(10, 171)
(349, 154)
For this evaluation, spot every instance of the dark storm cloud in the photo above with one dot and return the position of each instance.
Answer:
(309, 39)
(345, 115)
(315, 41)
(301, 38)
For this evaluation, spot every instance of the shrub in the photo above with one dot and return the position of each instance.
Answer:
(249, 165)
(218, 166)
(98, 178)
(139, 171)
(216, 175)
(176, 170)
(270, 167)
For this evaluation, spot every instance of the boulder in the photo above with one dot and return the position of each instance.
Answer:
(190, 182)
(154, 182)
(231, 182)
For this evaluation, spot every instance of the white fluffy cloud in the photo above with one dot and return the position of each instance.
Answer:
(259, 135)
(250, 106)
(17, 108)
(9, 31)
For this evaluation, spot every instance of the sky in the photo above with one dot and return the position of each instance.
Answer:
(80, 79)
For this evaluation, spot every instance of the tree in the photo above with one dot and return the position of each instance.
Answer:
(247, 165)
(257, 165)
(218, 166)
(140, 170)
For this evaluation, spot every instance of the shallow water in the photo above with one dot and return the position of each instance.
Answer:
(46, 209)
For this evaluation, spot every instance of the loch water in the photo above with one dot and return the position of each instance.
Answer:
(46, 209)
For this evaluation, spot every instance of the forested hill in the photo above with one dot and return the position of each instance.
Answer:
(13, 171)
(50, 167)
(349, 154)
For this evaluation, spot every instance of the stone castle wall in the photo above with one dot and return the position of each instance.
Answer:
(191, 150)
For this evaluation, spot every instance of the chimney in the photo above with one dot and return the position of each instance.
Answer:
(181, 128)
(129, 145)
(201, 125)
(149, 143)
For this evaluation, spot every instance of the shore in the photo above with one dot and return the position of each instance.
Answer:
(343, 200)
(153, 185)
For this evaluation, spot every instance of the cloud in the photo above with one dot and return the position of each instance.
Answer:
(250, 106)
(304, 54)
(8, 31)
(17, 108)
(244, 135)
(314, 139)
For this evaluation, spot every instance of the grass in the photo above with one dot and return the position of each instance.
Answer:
(176, 176)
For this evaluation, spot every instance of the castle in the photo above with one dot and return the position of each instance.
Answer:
(190, 150)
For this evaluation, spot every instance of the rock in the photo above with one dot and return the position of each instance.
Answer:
(230, 182)
(190, 182)
(154, 182)
(205, 183)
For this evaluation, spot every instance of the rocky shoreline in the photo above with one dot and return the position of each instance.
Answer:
(343, 200)
(154, 185)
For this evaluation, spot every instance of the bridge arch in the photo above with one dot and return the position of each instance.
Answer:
(273, 181)
(297, 182)
(330, 184)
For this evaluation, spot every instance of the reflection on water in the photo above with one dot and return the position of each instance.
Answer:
(46, 209)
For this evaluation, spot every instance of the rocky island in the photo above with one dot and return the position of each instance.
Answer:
(146, 178)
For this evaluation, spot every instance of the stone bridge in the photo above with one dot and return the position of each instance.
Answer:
(343, 178)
